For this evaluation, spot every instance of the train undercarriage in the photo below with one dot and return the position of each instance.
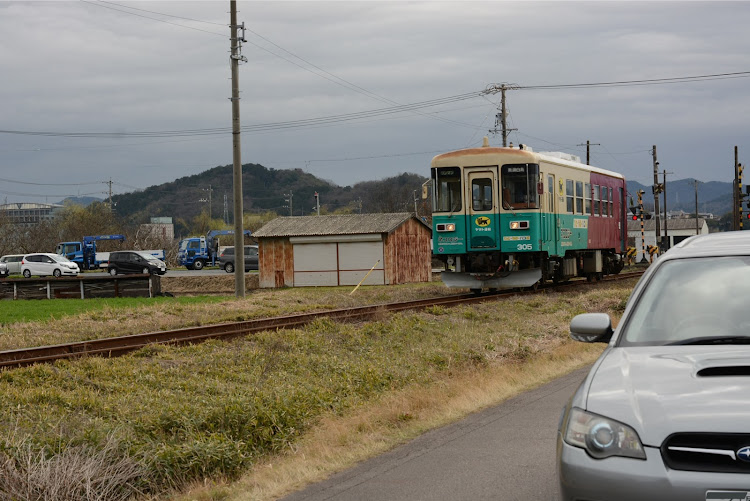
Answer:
(508, 271)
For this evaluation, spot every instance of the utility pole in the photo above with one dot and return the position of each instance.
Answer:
(697, 229)
(657, 189)
(317, 203)
(288, 200)
(226, 209)
(235, 42)
(110, 194)
(588, 150)
(208, 200)
(501, 117)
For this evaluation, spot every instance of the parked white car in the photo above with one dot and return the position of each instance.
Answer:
(3, 270)
(13, 261)
(43, 264)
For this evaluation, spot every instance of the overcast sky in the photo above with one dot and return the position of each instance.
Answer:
(126, 67)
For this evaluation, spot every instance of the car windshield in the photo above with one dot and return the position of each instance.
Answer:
(693, 301)
(147, 256)
(60, 259)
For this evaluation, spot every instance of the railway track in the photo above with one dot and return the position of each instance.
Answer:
(115, 346)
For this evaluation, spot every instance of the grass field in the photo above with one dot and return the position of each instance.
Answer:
(12, 312)
(164, 419)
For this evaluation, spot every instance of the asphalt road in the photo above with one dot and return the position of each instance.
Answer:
(506, 452)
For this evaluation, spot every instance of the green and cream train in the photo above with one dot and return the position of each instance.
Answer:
(508, 217)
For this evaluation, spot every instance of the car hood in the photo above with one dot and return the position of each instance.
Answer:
(666, 389)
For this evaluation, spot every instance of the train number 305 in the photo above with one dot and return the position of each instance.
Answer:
(524, 247)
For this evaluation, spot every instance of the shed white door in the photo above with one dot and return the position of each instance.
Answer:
(338, 263)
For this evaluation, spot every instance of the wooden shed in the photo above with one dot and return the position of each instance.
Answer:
(342, 249)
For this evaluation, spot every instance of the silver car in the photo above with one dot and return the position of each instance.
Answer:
(664, 414)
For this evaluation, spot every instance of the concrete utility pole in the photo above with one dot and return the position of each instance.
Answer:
(657, 189)
(236, 57)
(317, 203)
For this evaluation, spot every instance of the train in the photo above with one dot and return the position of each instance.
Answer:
(508, 217)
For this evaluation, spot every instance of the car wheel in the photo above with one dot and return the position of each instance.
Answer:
(229, 268)
(198, 265)
(113, 271)
(144, 271)
(56, 273)
(27, 273)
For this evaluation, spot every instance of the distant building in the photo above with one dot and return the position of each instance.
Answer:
(29, 213)
(160, 227)
(677, 231)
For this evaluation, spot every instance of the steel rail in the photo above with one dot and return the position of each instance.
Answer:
(115, 346)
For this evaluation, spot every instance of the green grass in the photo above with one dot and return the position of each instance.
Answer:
(48, 310)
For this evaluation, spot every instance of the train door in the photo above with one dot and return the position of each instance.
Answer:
(482, 216)
(549, 215)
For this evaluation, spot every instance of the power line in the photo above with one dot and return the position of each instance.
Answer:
(653, 81)
(334, 119)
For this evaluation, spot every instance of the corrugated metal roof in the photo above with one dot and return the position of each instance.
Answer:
(673, 224)
(347, 224)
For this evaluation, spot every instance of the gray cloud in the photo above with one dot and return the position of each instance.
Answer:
(74, 66)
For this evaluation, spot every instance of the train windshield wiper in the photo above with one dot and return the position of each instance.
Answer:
(713, 340)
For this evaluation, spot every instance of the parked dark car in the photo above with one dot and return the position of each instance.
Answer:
(226, 258)
(124, 262)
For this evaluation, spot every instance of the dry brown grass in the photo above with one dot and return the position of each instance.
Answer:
(337, 443)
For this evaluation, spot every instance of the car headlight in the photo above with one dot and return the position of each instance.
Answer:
(602, 437)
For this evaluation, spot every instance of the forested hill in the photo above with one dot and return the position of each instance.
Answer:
(265, 190)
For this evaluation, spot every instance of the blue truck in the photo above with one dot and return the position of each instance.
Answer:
(196, 252)
(84, 253)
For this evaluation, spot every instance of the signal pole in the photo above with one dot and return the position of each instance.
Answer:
(739, 193)
(643, 237)
(236, 57)
(736, 192)
(658, 188)
(666, 219)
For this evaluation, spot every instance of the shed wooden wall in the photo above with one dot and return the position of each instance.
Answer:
(275, 263)
(408, 257)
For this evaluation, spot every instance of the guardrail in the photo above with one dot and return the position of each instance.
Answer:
(80, 287)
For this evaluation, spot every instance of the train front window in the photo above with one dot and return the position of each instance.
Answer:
(519, 186)
(447, 183)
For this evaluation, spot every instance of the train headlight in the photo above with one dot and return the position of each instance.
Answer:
(446, 227)
(519, 225)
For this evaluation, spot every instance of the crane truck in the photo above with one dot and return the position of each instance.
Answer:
(196, 252)
(84, 253)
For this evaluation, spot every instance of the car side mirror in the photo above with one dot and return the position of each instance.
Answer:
(591, 328)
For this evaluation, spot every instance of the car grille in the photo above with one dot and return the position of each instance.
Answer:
(714, 452)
